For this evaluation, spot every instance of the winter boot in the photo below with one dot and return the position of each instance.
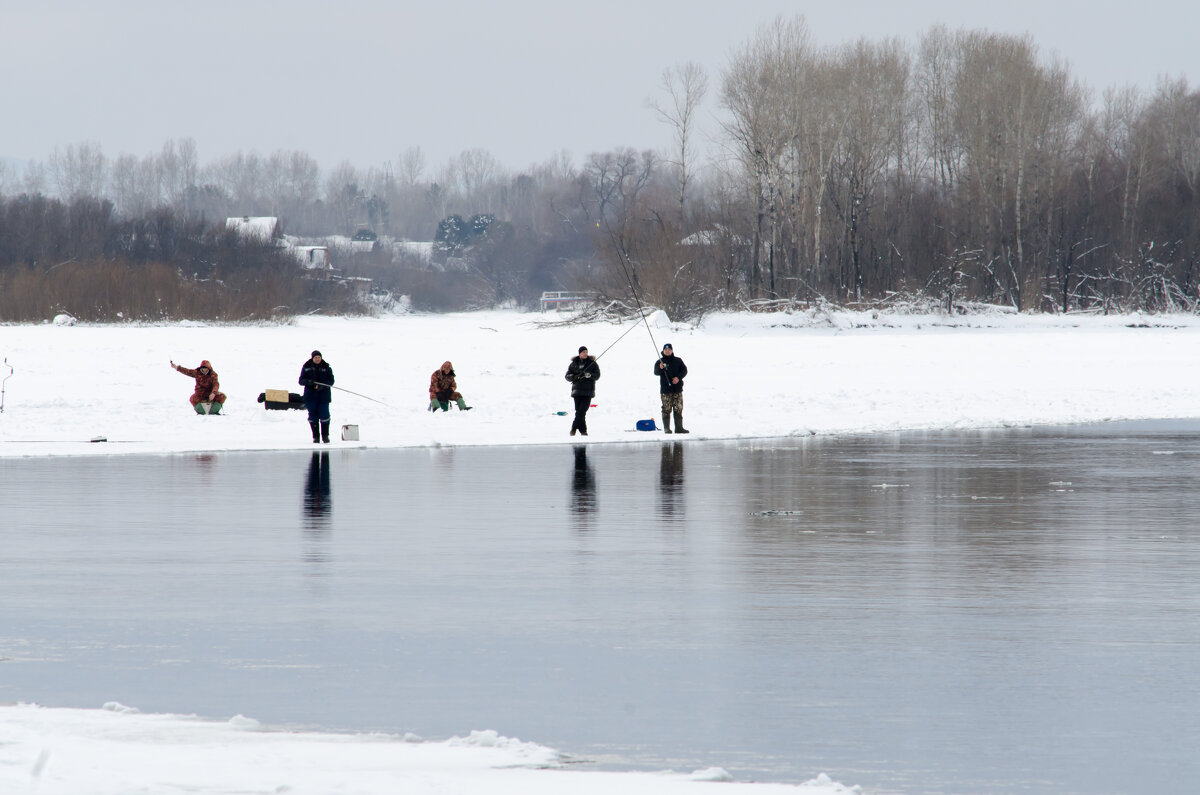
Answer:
(679, 423)
(316, 429)
(324, 431)
(214, 408)
(199, 407)
(666, 422)
(462, 405)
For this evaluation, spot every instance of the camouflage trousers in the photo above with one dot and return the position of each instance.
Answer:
(672, 402)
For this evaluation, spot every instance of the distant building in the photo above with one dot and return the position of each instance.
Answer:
(313, 258)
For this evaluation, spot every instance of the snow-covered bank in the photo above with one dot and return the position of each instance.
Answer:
(751, 375)
(116, 750)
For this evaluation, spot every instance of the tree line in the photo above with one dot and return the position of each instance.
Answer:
(82, 259)
(964, 167)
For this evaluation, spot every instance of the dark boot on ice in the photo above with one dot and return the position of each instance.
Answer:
(666, 422)
(316, 429)
(679, 423)
(462, 405)
(325, 431)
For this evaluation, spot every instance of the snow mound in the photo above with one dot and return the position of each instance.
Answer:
(827, 785)
(658, 319)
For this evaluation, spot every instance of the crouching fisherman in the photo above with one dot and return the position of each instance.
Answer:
(207, 397)
(443, 389)
(316, 376)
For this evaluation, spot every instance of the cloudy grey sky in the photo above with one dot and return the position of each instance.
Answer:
(363, 80)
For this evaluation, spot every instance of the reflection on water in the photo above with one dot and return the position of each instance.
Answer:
(670, 480)
(318, 508)
(317, 501)
(961, 612)
(582, 498)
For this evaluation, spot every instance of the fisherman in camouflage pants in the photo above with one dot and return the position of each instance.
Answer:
(671, 370)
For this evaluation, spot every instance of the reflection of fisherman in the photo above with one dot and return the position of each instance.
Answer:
(316, 376)
(443, 389)
(317, 503)
(208, 388)
(671, 371)
(670, 477)
(583, 372)
(583, 483)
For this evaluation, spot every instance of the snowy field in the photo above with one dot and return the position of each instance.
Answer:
(751, 375)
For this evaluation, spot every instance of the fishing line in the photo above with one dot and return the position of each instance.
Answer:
(4, 383)
(618, 339)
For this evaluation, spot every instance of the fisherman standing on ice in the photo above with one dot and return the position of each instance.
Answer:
(671, 370)
(316, 376)
(443, 389)
(583, 372)
(208, 393)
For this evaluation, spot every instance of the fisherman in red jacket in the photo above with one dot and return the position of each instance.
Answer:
(208, 389)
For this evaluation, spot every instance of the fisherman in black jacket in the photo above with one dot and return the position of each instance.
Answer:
(583, 372)
(316, 376)
(671, 370)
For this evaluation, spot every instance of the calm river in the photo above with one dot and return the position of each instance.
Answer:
(983, 612)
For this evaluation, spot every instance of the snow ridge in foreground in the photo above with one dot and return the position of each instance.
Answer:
(118, 750)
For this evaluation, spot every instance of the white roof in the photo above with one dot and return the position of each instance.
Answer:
(254, 225)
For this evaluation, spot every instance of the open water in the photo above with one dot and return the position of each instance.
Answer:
(985, 612)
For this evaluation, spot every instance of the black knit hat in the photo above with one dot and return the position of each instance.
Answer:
(316, 353)
(582, 348)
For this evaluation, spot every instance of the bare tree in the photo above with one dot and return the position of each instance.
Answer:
(411, 168)
(871, 84)
(135, 185)
(79, 171)
(762, 94)
(179, 170)
(684, 88)
(344, 196)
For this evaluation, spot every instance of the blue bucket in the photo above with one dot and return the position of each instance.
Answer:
(646, 425)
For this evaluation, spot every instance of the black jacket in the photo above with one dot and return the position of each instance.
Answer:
(583, 376)
(675, 369)
(316, 380)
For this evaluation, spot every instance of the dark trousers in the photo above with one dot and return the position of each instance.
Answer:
(317, 410)
(581, 407)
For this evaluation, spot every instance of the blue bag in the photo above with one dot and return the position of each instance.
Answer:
(646, 425)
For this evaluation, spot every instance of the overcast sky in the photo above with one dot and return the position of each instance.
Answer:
(363, 80)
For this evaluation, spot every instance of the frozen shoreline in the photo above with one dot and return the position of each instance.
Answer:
(751, 376)
(117, 750)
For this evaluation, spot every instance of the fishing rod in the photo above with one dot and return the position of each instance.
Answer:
(621, 258)
(364, 397)
(4, 383)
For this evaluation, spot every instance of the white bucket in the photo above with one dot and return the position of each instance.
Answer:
(349, 433)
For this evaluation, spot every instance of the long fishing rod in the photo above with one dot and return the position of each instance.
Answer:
(364, 397)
